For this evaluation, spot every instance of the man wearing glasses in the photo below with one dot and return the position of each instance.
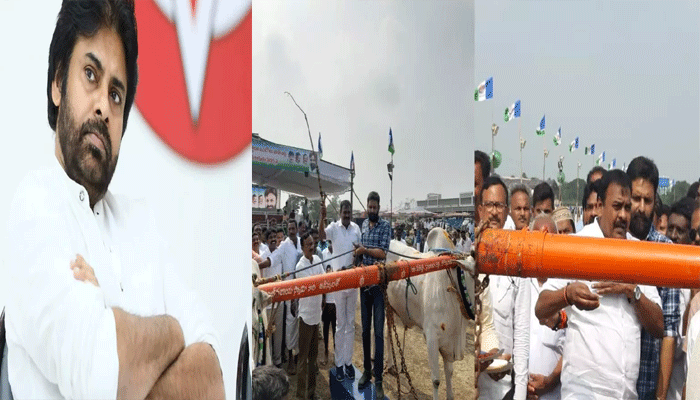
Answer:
(511, 302)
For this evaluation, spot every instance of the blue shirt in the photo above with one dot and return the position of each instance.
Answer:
(374, 237)
(651, 346)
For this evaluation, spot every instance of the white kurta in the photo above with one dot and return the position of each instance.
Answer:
(345, 300)
(61, 333)
(511, 316)
(310, 307)
(546, 345)
(602, 347)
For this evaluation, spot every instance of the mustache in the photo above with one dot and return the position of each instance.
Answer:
(620, 224)
(100, 128)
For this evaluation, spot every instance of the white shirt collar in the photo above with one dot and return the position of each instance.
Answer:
(75, 190)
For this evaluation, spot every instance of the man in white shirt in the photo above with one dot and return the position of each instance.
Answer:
(328, 316)
(520, 210)
(257, 228)
(120, 324)
(344, 234)
(546, 345)
(309, 320)
(464, 244)
(510, 298)
(275, 312)
(603, 337)
(286, 257)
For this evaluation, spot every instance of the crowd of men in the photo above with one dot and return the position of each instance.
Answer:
(311, 251)
(565, 338)
(578, 339)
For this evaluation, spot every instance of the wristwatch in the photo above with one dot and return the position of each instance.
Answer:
(637, 293)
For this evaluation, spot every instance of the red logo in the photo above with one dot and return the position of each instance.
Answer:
(195, 76)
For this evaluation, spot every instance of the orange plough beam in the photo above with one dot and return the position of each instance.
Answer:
(538, 254)
(354, 278)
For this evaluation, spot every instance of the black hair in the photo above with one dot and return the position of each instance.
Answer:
(594, 170)
(270, 190)
(665, 210)
(494, 180)
(590, 188)
(616, 176)
(541, 193)
(85, 18)
(642, 167)
(482, 159)
(345, 203)
(373, 196)
(684, 207)
(304, 236)
(693, 190)
(658, 205)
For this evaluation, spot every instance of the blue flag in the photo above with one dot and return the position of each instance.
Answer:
(592, 149)
(540, 130)
(352, 161)
(512, 112)
(484, 91)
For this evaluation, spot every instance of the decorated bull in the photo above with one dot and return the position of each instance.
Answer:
(441, 306)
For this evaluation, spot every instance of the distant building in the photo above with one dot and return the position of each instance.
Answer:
(435, 203)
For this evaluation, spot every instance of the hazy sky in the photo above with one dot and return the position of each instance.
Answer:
(358, 68)
(620, 74)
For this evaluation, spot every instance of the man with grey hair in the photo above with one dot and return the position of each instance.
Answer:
(269, 383)
(545, 223)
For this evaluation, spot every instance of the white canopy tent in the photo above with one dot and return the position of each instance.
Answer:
(293, 170)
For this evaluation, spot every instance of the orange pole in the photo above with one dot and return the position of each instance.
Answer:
(536, 254)
(353, 278)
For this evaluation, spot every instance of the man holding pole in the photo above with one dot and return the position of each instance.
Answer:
(344, 234)
(602, 347)
(656, 360)
(376, 235)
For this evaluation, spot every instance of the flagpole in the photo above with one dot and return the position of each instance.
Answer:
(352, 189)
(391, 196)
(493, 137)
(544, 155)
(578, 169)
(520, 135)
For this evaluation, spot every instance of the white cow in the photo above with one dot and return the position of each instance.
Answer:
(436, 309)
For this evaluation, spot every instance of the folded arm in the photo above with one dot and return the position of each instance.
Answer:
(146, 346)
(195, 374)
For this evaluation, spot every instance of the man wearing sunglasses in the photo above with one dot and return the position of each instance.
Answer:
(656, 358)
